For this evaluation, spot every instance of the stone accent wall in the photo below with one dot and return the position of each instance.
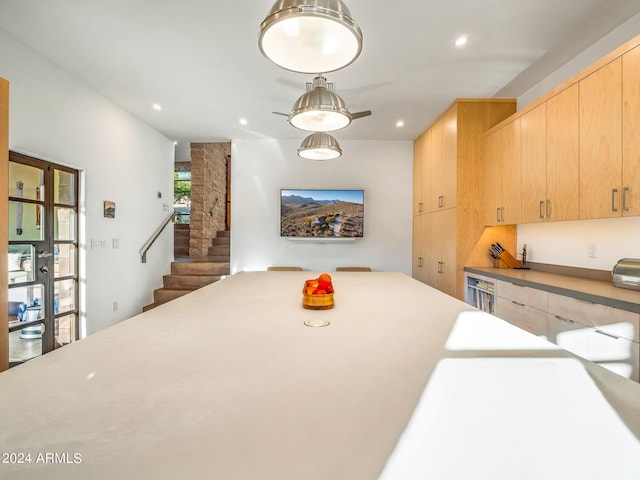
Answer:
(208, 182)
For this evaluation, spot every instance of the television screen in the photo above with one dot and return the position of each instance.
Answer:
(321, 213)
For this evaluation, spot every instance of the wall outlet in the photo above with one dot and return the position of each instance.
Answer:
(592, 250)
(115, 243)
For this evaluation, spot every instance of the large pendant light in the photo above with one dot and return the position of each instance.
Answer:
(319, 146)
(320, 109)
(310, 36)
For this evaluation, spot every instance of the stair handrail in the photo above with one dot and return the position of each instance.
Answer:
(147, 245)
(215, 204)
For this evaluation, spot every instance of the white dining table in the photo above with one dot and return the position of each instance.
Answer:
(230, 383)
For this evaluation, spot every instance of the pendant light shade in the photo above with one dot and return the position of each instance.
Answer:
(319, 146)
(310, 36)
(320, 109)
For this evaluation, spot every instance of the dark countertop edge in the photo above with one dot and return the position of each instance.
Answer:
(580, 295)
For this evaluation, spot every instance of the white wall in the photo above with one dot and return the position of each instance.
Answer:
(54, 117)
(565, 243)
(260, 168)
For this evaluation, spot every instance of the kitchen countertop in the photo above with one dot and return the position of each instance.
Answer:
(227, 382)
(595, 291)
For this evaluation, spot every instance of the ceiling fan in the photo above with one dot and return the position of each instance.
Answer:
(320, 109)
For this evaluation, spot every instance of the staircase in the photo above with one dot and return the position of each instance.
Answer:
(190, 273)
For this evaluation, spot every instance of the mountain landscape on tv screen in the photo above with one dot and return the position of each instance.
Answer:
(308, 217)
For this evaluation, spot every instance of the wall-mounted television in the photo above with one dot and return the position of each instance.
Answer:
(321, 213)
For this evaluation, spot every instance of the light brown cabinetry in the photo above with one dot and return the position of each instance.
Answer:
(550, 159)
(602, 334)
(421, 173)
(4, 247)
(563, 157)
(522, 306)
(631, 132)
(601, 142)
(447, 230)
(503, 171)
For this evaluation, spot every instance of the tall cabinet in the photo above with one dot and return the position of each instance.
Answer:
(447, 222)
(4, 247)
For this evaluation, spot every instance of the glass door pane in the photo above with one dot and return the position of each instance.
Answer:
(43, 257)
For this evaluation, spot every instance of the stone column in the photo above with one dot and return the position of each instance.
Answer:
(208, 183)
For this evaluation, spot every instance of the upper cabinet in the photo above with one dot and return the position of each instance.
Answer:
(574, 153)
(503, 175)
(601, 142)
(631, 132)
(563, 156)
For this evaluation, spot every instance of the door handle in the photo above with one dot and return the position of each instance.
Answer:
(45, 254)
(613, 199)
(541, 207)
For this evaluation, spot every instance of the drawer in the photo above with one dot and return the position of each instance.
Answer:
(610, 320)
(619, 355)
(531, 297)
(529, 319)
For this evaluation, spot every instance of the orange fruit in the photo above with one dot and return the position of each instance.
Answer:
(325, 277)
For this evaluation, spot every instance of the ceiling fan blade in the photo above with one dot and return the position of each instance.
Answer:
(355, 115)
(280, 113)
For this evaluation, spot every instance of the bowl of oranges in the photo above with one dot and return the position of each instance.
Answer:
(317, 293)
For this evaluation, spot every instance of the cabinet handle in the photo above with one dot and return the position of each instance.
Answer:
(498, 214)
(519, 304)
(440, 265)
(585, 301)
(548, 209)
(419, 262)
(420, 207)
(541, 207)
(565, 319)
(517, 285)
(615, 337)
(625, 207)
(440, 201)
(613, 199)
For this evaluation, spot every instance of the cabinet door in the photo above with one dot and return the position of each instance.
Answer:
(418, 159)
(492, 178)
(522, 316)
(435, 161)
(601, 142)
(421, 248)
(610, 320)
(511, 174)
(631, 132)
(449, 157)
(448, 266)
(563, 159)
(435, 250)
(534, 165)
(617, 354)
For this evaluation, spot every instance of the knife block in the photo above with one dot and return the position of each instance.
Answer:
(506, 260)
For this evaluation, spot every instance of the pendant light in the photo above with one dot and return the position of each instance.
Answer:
(319, 146)
(320, 109)
(310, 36)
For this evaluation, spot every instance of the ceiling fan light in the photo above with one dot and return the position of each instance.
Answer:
(320, 109)
(310, 36)
(319, 146)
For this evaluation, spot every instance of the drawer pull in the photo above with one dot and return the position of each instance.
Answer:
(519, 304)
(615, 337)
(565, 319)
(517, 285)
(585, 301)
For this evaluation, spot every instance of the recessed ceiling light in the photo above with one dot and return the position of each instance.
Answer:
(399, 123)
(157, 106)
(461, 40)
(243, 121)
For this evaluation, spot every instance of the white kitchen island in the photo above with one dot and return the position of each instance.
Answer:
(228, 383)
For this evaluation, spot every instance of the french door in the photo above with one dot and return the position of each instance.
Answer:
(43, 257)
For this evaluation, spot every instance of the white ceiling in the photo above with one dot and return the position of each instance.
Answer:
(199, 58)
